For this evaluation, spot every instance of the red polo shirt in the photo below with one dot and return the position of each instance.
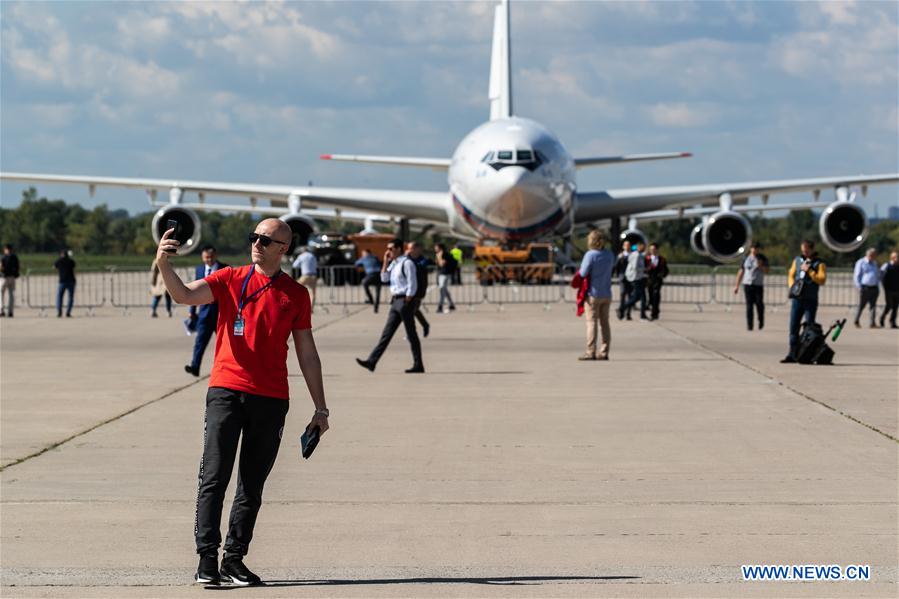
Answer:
(256, 362)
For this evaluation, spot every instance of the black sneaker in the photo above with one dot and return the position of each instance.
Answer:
(426, 329)
(365, 364)
(415, 369)
(234, 571)
(788, 360)
(208, 570)
(191, 370)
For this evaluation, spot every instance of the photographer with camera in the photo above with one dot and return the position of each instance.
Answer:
(807, 274)
(260, 307)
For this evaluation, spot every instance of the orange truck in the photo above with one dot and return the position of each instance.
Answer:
(376, 243)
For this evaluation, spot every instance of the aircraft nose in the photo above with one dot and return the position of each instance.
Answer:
(513, 176)
(519, 197)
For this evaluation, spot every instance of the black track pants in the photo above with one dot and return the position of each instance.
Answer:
(230, 414)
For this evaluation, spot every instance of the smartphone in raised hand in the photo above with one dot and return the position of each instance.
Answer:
(172, 224)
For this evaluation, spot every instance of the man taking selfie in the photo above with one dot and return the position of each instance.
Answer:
(259, 309)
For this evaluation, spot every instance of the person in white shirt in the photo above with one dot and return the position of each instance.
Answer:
(307, 264)
(399, 270)
(635, 273)
(867, 280)
(752, 277)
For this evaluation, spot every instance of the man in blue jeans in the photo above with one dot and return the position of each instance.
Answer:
(370, 264)
(66, 267)
(809, 269)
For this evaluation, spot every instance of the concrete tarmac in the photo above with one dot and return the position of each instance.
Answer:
(509, 469)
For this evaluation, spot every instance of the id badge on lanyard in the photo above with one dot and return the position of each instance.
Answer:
(239, 322)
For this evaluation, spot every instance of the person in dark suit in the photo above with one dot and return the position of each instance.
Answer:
(203, 321)
(624, 285)
(656, 271)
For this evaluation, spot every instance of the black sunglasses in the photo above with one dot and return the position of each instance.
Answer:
(265, 240)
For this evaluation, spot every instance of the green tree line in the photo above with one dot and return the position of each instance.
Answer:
(39, 225)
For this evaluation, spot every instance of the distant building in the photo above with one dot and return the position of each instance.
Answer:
(893, 213)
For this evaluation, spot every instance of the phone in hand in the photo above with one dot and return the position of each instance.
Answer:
(172, 224)
(309, 441)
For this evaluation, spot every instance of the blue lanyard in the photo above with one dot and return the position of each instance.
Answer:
(243, 291)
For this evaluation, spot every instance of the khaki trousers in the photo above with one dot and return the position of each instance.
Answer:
(597, 308)
(309, 282)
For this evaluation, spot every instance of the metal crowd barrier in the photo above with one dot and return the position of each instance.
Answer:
(838, 291)
(40, 291)
(131, 289)
(340, 286)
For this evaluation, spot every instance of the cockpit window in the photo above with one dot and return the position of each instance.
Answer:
(529, 159)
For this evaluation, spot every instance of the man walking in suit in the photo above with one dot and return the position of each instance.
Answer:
(203, 321)
(399, 271)
(624, 285)
(656, 271)
(889, 278)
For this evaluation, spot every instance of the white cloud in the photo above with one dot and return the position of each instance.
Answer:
(682, 114)
(148, 31)
(82, 66)
(262, 34)
(840, 41)
(52, 116)
(838, 12)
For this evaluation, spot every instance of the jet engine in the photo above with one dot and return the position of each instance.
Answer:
(696, 240)
(632, 236)
(843, 226)
(301, 226)
(726, 236)
(187, 232)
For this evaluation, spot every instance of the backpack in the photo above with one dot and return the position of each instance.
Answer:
(812, 348)
(421, 276)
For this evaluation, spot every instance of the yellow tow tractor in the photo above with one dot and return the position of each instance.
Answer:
(532, 263)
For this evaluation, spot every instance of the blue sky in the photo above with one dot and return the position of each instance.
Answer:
(255, 92)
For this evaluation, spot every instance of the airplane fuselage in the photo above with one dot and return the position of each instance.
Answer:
(511, 180)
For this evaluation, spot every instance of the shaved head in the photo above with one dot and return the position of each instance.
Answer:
(268, 257)
(276, 229)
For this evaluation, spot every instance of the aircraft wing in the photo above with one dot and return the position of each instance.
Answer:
(438, 164)
(593, 206)
(603, 160)
(424, 205)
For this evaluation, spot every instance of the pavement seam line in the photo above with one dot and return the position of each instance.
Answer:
(99, 424)
(781, 383)
(53, 446)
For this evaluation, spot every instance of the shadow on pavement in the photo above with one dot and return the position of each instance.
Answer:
(495, 580)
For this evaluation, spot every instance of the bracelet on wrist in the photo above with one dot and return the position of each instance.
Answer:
(323, 411)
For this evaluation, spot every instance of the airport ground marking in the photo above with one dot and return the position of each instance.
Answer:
(53, 446)
(779, 382)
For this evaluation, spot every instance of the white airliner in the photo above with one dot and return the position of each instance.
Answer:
(512, 180)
